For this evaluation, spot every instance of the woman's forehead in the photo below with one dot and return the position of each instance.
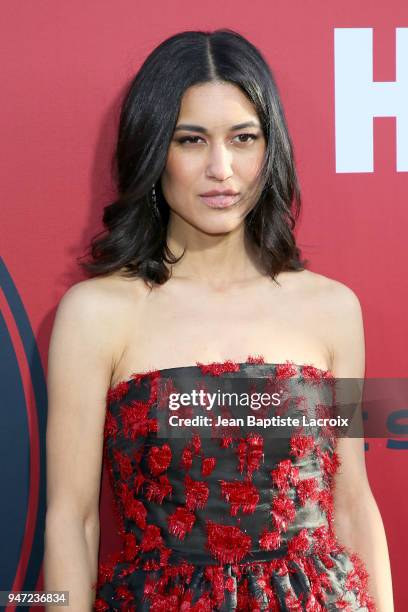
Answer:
(216, 105)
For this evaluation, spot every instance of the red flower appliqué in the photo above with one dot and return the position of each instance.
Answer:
(258, 359)
(133, 508)
(152, 538)
(218, 368)
(285, 474)
(157, 491)
(311, 373)
(301, 445)
(123, 592)
(240, 494)
(117, 392)
(207, 465)
(196, 443)
(197, 493)
(135, 420)
(285, 370)
(124, 463)
(227, 543)
(101, 605)
(186, 460)
(159, 458)
(111, 426)
(331, 463)
(250, 453)
(181, 522)
(307, 489)
(270, 540)
(283, 511)
(131, 547)
(299, 544)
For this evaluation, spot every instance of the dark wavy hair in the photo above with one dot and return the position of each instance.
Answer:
(135, 236)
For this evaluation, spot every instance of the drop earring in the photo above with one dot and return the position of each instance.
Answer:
(154, 200)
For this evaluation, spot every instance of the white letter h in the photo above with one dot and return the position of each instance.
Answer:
(358, 99)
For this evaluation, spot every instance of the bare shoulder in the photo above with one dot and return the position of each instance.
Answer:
(102, 304)
(329, 288)
(340, 311)
(82, 352)
(335, 298)
(100, 293)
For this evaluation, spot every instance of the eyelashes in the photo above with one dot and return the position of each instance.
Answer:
(248, 138)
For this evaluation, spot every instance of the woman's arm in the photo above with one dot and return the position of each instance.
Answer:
(79, 370)
(357, 520)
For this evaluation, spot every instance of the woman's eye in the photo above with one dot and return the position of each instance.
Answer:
(189, 139)
(242, 139)
(246, 137)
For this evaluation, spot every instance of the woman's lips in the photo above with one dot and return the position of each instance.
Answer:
(219, 201)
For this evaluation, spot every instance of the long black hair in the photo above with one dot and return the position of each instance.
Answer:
(135, 236)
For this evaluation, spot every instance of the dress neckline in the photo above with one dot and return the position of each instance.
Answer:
(257, 361)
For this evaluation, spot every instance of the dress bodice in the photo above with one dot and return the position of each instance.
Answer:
(230, 522)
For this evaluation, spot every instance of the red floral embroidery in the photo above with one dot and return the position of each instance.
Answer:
(250, 453)
(152, 538)
(197, 493)
(293, 603)
(181, 522)
(226, 441)
(131, 547)
(285, 474)
(196, 443)
(117, 392)
(133, 508)
(230, 584)
(299, 544)
(138, 480)
(324, 541)
(240, 494)
(342, 604)
(139, 469)
(186, 458)
(207, 465)
(158, 490)
(307, 489)
(124, 464)
(301, 445)
(241, 452)
(111, 426)
(107, 568)
(325, 500)
(255, 452)
(203, 604)
(216, 369)
(285, 370)
(100, 605)
(164, 603)
(159, 458)
(331, 463)
(227, 543)
(283, 511)
(135, 420)
(215, 575)
(259, 359)
(311, 373)
(280, 567)
(270, 540)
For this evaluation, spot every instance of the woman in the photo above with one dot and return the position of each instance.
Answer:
(199, 273)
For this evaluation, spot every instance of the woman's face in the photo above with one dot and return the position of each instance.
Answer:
(215, 155)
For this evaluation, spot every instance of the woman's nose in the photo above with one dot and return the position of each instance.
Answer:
(219, 163)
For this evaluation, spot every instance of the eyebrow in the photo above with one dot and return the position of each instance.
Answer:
(203, 130)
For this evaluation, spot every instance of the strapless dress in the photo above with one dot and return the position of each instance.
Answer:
(226, 523)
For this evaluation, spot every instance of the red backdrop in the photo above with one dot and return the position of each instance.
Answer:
(64, 67)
